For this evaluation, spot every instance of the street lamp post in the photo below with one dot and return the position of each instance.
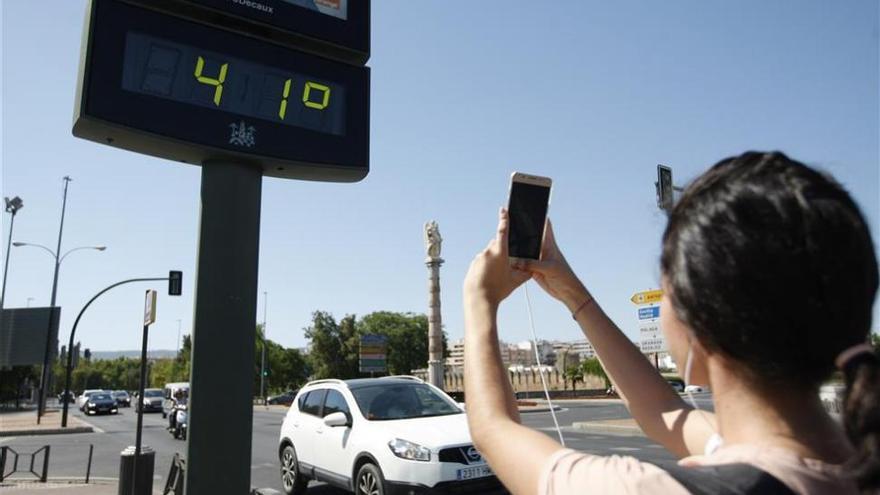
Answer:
(12, 206)
(46, 373)
(58, 259)
(263, 360)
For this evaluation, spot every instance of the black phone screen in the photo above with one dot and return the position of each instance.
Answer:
(527, 211)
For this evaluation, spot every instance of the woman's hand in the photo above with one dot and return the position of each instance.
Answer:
(554, 275)
(490, 277)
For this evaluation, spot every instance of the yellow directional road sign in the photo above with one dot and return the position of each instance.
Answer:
(647, 297)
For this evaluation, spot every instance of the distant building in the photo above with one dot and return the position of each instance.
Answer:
(583, 348)
(455, 360)
(521, 355)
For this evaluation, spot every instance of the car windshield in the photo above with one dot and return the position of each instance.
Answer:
(153, 393)
(99, 397)
(402, 401)
(120, 394)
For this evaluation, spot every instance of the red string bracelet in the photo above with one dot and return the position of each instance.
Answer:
(581, 307)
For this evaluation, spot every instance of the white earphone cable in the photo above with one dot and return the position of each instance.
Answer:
(540, 368)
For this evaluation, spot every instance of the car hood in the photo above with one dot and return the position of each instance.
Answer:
(434, 432)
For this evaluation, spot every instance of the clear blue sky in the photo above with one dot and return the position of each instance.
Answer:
(593, 94)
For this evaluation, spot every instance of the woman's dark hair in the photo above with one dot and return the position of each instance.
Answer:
(771, 263)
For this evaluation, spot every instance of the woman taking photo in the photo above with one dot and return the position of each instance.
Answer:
(769, 277)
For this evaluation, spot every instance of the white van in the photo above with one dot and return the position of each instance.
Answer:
(171, 391)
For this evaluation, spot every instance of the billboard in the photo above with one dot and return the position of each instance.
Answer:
(23, 334)
(372, 354)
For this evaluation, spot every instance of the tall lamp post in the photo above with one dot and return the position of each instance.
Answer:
(44, 376)
(263, 359)
(12, 206)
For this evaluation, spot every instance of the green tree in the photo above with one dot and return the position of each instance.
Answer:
(592, 367)
(407, 335)
(13, 379)
(575, 374)
(331, 354)
(286, 368)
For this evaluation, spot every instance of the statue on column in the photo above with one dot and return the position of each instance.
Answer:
(433, 240)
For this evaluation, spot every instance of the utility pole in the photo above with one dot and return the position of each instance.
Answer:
(178, 339)
(263, 360)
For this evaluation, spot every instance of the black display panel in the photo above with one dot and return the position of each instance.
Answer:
(187, 74)
(527, 212)
(342, 25)
(151, 82)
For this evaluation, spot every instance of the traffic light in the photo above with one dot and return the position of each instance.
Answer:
(265, 372)
(664, 188)
(175, 283)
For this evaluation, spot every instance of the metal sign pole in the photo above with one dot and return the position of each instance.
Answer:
(219, 445)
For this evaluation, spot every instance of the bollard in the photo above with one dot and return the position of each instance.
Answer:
(143, 485)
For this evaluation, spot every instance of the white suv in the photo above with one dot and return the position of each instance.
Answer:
(380, 436)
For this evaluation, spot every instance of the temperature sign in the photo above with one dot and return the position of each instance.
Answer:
(179, 87)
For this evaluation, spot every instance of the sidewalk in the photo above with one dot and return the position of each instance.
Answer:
(624, 427)
(24, 423)
(96, 488)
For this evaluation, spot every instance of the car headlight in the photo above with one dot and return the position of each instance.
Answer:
(408, 450)
(91, 404)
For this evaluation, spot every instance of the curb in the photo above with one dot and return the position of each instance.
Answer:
(539, 409)
(55, 482)
(599, 427)
(47, 431)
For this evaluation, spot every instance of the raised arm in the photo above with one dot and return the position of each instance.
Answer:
(516, 453)
(659, 411)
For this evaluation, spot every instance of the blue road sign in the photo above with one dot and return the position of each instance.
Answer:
(649, 313)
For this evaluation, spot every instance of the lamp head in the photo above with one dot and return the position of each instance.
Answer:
(14, 204)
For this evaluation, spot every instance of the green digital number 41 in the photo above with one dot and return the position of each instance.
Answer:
(310, 86)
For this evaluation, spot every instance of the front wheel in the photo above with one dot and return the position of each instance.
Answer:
(292, 480)
(369, 481)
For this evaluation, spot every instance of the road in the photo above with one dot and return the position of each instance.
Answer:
(69, 453)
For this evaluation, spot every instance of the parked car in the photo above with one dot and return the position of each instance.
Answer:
(693, 389)
(100, 402)
(122, 398)
(151, 401)
(71, 398)
(676, 385)
(84, 398)
(285, 399)
(381, 435)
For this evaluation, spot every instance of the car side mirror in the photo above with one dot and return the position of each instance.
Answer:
(337, 419)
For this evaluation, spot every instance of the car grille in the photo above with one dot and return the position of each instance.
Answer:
(459, 455)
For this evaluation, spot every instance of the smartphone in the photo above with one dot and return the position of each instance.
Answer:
(527, 213)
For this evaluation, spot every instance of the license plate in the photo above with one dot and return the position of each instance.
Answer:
(474, 472)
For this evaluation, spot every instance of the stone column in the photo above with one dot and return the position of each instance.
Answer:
(435, 327)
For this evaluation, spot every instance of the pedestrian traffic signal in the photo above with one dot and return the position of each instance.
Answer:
(175, 283)
(664, 188)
